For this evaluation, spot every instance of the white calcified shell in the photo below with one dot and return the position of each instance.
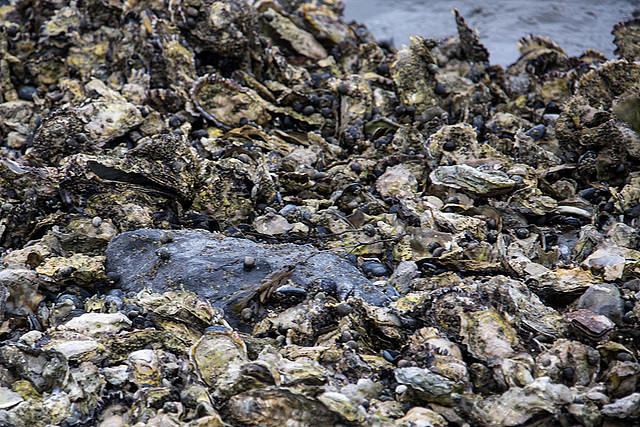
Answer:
(96, 325)
(9, 398)
(473, 180)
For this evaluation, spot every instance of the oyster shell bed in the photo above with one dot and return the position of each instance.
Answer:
(414, 237)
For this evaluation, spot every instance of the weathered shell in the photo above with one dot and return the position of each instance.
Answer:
(516, 299)
(517, 405)
(277, 406)
(473, 180)
(621, 378)
(412, 74)
(300, 40)
(95, 325)
(86, 270)
(226, 103)
(20, 291)
(216, 353)
(590, 325)
(324, 21)
(487, 334)
(182, 313)
(627, 39)
(76, 347)
(584, 361)
(428, 386)
(397, 181)
(227, 28)
(145, 366)
(561, 284)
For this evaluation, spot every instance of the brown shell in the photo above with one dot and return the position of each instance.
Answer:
(627, 39)
(226, 103)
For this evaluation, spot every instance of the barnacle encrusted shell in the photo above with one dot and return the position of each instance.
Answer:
(627, 39)
(225, 102)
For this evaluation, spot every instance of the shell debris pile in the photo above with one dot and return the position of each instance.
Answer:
(412, 236)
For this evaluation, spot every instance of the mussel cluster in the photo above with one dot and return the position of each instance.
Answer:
(487, 220)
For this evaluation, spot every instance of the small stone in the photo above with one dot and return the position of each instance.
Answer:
(66, 271)
(167, 237)
(568, 374)
(176, 121)
(346, 336)
(246, 314)
(343, 88)
(522, 233)
(344, 309)
(369, 230)
(27, 93)
(249, 263)
(390, 355)
(401, 389)
(432, 246)
(438, 252)
(356, 167)
(163, 254)
(624, 357)
(403, 363)
(449, 146)
(352, 345)
(96, 221)
(374, 269)
(308, 110)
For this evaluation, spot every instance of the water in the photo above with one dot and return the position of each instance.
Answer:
(576, 25)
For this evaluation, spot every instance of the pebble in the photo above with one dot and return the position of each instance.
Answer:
(96, 221)
(344, 309)
(66, 271)
(249, 263)
(163, 253)
(438, 252)
(27, 93)
(449, 146)
(605, 299)
(352, 345)
(374, 269)
(401, 389)
(167, 237)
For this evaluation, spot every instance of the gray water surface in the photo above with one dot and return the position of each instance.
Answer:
(575, 25)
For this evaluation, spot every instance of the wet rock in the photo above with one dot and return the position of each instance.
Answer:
(402, 276)
(603, 299)
(374, 269)
(199, 258)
